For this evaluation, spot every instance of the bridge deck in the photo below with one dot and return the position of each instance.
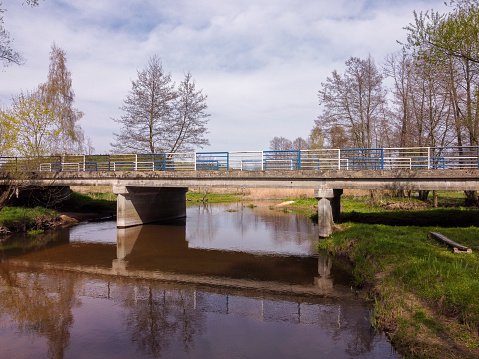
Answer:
(406, 179)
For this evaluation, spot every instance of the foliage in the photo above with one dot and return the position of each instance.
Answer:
(160, 118)
(43, 122)
(31, 125)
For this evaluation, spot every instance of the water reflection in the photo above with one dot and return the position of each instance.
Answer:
(183, 291)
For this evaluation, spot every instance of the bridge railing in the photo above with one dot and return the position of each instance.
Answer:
(433, 158)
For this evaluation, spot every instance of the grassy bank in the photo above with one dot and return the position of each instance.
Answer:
(32, 220)
(195, 197)
(425, 297)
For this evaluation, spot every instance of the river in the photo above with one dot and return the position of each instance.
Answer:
(233, 282)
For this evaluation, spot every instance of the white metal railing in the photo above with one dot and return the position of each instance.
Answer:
(433, 158)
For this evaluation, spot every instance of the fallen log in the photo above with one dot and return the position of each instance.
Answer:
(458, 248)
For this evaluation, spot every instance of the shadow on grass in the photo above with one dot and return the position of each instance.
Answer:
(442, 217)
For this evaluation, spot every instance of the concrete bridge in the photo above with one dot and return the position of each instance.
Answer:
(151, 196)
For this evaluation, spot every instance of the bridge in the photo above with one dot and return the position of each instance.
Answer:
(152, 187)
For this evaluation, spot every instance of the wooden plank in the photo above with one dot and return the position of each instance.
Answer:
(458, 248)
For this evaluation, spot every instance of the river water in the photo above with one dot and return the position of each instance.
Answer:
(233, 282)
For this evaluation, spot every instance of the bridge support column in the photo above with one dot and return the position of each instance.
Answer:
(329, 209)
(140, 205)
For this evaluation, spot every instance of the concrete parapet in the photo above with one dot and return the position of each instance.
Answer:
(140, 205)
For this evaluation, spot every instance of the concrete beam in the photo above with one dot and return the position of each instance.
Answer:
(141, 205)
(451, 180)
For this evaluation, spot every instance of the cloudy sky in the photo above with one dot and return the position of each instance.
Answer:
(260, 62)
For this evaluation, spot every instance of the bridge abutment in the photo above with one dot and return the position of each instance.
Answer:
(329, 209)
(141, 205)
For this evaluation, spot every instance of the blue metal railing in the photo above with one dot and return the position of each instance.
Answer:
(414, 158)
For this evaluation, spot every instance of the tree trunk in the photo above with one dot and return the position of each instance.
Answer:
(434, 199)
(422, 195)
(472, 198)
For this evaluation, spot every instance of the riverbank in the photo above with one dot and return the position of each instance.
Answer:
(425, 297)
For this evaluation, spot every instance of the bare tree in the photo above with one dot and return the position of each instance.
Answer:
(8, 55)
(299, 144)
(353, 101)
(159, 118)
(398, 67)
(189, 123)
(280, 144)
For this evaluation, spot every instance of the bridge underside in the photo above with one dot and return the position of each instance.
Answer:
(140, 205)
(152, 196)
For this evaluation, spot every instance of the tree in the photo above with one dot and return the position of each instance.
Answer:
(189, 125)
(33, 126)
(353, 101)
(8, 55)
(58, 95)
(299, 144)
(159, 118)
(316, 138)
(280, 144)
(452, 40)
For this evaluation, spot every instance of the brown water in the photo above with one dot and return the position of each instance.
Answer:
(233, 282)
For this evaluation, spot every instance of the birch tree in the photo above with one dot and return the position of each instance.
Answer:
(57, 93)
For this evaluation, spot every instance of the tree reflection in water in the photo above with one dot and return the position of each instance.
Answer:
(39, 305)
(158, 317)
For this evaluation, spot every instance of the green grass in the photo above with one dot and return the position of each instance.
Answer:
(418, 285)
(91, 202)
(24, 219)
(214, 197)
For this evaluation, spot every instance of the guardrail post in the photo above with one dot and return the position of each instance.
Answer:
(262, 160)
(136, 162)
(227, 161)
(382, 158)
(299, 160)
(195, 159)
(429, 158)
(477, 153)
(339, 159)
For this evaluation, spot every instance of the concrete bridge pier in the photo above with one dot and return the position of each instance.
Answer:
(140, 205)
(329, 209)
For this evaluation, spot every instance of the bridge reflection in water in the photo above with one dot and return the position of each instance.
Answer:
(168, 291)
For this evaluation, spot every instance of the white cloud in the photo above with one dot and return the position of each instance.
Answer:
(260, 62)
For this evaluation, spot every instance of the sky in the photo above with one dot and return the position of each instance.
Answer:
(260, 62)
